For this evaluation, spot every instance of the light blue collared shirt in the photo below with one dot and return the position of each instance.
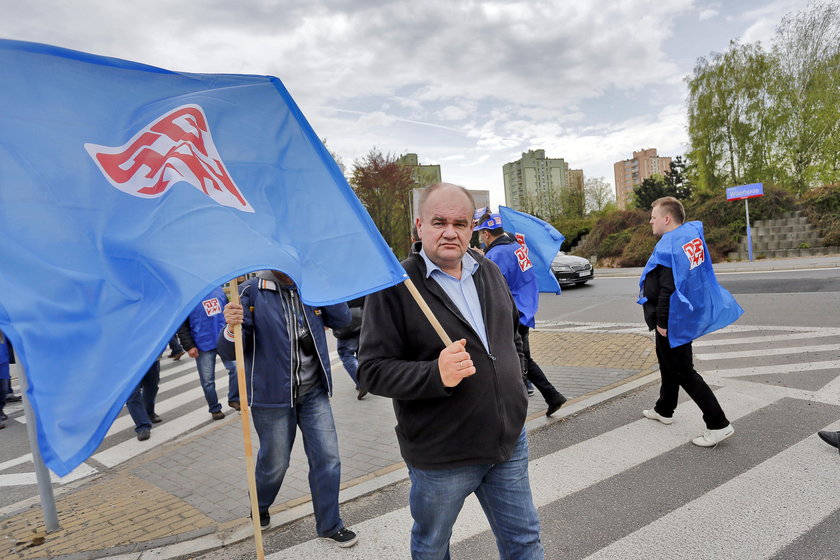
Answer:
(461, 291)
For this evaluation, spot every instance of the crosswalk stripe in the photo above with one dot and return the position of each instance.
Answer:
(772, 370)
(769, 352)
(756, 498)
(165, 405)
(557, 475)
(729, 341)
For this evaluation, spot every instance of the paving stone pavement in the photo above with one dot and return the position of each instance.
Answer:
(196, 485)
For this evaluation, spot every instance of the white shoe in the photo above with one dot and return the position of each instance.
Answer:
(653, 415)
(710, 438)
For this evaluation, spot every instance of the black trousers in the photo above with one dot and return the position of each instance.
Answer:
(676, 365)
(535, 374)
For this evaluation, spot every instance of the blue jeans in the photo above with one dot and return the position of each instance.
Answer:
(141, 403)
(504, 492)
(347, 349)
(206, 363)
(276, 429)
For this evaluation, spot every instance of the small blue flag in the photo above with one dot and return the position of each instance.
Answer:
(543, 242)
(127, 192)
(699, 305)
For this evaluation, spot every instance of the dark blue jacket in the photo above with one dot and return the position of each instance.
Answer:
(268, 347)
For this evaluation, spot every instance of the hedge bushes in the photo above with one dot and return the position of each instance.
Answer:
(624, 237)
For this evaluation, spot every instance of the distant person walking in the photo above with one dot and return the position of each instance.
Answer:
(198, 336)
(347, 344)
(512, 259)
(682, 301)
(141, 402)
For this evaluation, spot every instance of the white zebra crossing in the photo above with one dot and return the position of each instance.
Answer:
(182, 377)
(750, 501)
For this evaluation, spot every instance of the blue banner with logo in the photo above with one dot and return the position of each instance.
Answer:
(699, 305)
(127, 192)
(543, 242)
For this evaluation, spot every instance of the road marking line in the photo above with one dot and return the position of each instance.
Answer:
(751, 499)
(557, 475)
(771, 370)
(768, 352)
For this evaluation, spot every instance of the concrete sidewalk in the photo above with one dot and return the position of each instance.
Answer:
(189, 496)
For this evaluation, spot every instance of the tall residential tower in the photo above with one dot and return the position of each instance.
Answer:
(533, 184)
(631, 172)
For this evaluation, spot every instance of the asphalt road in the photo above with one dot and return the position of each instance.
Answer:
(797, 297)
(612, 485)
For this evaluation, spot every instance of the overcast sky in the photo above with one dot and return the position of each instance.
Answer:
(467, 85)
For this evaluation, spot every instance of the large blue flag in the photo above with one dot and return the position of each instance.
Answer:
(699, 305)
(127, 192)
(543, 242)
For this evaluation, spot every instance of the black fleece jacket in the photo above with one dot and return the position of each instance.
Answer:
(659, 285)
(479, 420)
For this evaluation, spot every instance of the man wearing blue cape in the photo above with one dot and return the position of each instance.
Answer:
(682, 301)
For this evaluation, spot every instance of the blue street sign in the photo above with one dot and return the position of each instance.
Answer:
(745, 191)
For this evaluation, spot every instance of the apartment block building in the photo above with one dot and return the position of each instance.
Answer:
(631, 172)
(534, 183)
(424, 175)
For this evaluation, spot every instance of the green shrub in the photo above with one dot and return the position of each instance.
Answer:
(638, 248)
(822, 208)
(573, 229)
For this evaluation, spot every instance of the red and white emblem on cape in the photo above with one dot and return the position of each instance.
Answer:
(695, 253)
(175, 147)
(521, 253)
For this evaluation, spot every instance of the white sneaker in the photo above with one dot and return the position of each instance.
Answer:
(710, 438)
(653, 415)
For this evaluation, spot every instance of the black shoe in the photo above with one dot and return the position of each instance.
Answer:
(265, 519)
(831, 438)
(144, 434)
(361, 394)
(344, 538)
(155, 419)
(555, 406)
(218, 415)
(234, 405)
(3, 416)
(177, 355)
(2, 424)
(13, 398)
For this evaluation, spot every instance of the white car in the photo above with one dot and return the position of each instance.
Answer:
(569, 269)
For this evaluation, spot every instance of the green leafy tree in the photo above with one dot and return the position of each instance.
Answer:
(770, 116)
(598, 194)
(676, 179)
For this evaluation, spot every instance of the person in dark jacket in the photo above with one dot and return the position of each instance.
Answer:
(676, 365)
(6, 358)
(198, 336)
(287, 369)
(460, 408)
(512, 259)
(348, 343)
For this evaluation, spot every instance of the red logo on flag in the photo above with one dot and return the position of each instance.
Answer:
(175, 147)
(212, 306)
(694, 251)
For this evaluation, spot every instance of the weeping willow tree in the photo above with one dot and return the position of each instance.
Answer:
(758, 115)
